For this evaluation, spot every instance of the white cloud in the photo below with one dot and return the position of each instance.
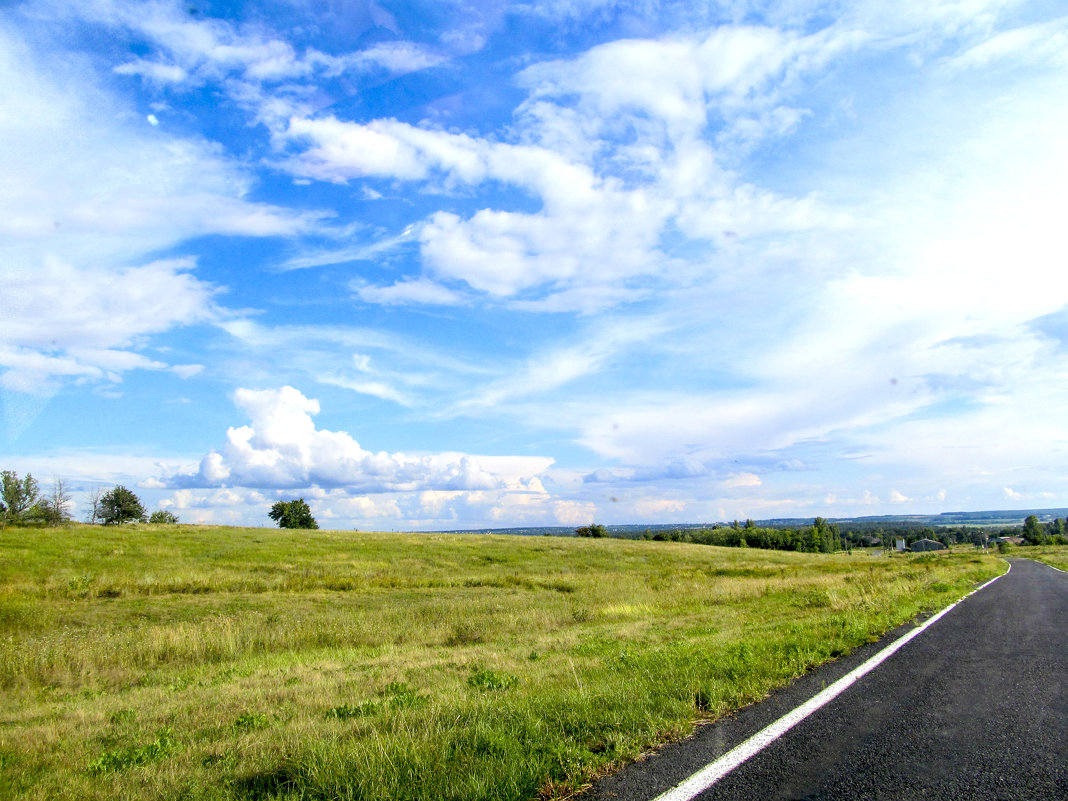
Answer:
(1012, 494)
(88, 192)
(75, 195)
(670, 81)
(60, 321)
(736, 480)
(656, 508)
(898, 497)
(376, 389)
(545, 372)
(419, 291)
(595, 241)
(574, 513)
(153, 71)
(283, 449)
(1039, 42)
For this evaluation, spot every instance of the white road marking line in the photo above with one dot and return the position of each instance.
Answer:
(714, 771)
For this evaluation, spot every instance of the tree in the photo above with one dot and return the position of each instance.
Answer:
(19, 496)
(163, 516)
(121, 506)
(55, 507)
(292, 514)
(1032, 531)
(592, 530)
(1056, 532)
(92, 503)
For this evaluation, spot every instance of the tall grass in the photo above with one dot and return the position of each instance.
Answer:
(224, 663)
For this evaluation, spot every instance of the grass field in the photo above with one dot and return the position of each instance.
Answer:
(224, 663)
(1056, 555)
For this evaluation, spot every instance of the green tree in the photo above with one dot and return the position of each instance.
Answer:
(592, 530)
(824, 536)
(121, 506)
(163, 516)
(1055, 529)
(292, 514)
(19, 496)
(1032, 531)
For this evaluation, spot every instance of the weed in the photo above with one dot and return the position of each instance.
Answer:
(483, 679)
(400, 696)
(349, 711)
(111, 761)
(252, 720)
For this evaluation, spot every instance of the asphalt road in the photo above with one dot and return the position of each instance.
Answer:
(975, 708)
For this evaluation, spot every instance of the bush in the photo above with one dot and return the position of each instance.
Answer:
(163, 516)
(592, 530)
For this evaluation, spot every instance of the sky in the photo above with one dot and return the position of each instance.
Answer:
(457, 264)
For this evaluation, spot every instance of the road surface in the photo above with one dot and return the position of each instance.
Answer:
(974, 708)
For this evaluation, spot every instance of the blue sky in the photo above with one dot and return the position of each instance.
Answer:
(437, 265)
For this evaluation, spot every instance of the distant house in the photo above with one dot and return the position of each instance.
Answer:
(927, 545)
(1008, 540)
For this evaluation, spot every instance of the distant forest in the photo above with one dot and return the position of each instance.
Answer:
(822, 536)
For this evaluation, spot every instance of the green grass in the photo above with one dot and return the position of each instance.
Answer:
(1056, 555)
(224, 663)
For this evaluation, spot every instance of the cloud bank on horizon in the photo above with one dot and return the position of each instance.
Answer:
(432, 265)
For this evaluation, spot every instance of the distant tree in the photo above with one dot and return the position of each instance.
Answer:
(92, 504)
(292, 514)
(1056, 531)
(163, 516)
(19, 496)
(1032, 531)
(824, 537)
(55, 507)
(592, 530)
(121, 506)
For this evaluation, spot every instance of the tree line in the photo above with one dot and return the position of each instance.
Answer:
(23, 503)
(820, 537)
(825, 537)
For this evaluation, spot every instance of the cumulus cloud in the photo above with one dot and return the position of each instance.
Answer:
(282, 448)
(736, 480)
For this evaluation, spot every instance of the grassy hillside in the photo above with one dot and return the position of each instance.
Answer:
(222, 663)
